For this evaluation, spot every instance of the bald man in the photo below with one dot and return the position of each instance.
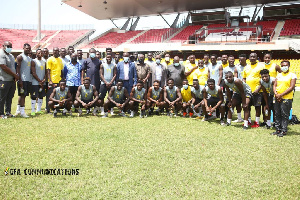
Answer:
(8, 76)
(176, 72)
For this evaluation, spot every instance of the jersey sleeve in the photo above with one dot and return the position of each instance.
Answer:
(294, 76)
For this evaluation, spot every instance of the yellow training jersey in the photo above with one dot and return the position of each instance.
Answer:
(272, 69)
(56, 66)
(252, 75)
(225, 65)
(202, 75)
(186, 94)
(284, 82)
(193, 75)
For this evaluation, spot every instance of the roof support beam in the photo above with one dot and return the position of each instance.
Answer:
(112, 21)
(133, 26)
(175, 21)
(164, 20)
(187, 20)
(124, 27)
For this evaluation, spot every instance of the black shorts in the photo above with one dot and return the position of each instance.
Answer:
(111, 104)
(197, 101)
(270, 102)
(212, 101)
(35, 92)
(26, 88)
(103, 90)
(256, 99)
(73, 90)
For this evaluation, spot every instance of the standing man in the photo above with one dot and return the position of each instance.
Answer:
(45, 58)
(206, 60)
(273, 68)
(117, 58)
(239, 68)
(73, 74)
(70, 52)
(108, 74)
(158, 72)
(98, 55)
(150, 61)
(54, 72)
(8, 76)
(91, 68)
(79, 57)
(172, 96)
(63, 53)
(284, 91)
(45, 54)
(224, 59)
(126, 71)
(24, 69)
(215, 70)
(176, 72)
(267, 84)
(191, 71)
(142, 70)
(38, 70)
(241, 95)
(252, 78)
(203, 73)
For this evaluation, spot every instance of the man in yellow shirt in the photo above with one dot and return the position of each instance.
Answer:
(273, 68)
(186, 98)
(54, 71)
(191, 71)
(252, 77)
(203, 73)
(284, 90)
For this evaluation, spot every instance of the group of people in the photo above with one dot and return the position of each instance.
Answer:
(135, 84)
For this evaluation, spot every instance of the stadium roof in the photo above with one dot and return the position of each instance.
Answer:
(114, 9)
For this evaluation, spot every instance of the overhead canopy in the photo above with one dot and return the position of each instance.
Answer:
(114, 9)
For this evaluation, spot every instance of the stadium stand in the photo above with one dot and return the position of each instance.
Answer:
(291, 27)
(151, 36)
(113, 39)
(59, 38)
(186, 32)
(218, 30)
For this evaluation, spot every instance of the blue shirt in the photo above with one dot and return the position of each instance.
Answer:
(72, 74)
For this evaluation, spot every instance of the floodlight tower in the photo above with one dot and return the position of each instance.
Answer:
(39, 21)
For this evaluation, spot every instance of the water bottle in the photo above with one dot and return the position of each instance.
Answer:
(266, 112)
(22, 91)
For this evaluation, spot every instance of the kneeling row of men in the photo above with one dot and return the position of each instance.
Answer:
(190, 99)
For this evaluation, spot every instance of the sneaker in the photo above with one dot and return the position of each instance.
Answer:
(222, 122)
(281, 134)
(255, 125)
(70, 112)
(191, 115)
(32, 114)
(122, 114)
(88, 111)
(263, 124)
(24, 115)
(105, 115)
(3, 117)
(184, 114)
(238, 121)
(275, 133)
(39, 112)
(131, 115)
(18, 113)
(228, 124)
(211, 117)
(9, 115)
(55, 113)
(112, 111)
(245, 127)
(204, 119)
(102, 113)
(95, 112)
(268, 127)
(79, 112)
(157, 112)
(141, 115)
(64, 113)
